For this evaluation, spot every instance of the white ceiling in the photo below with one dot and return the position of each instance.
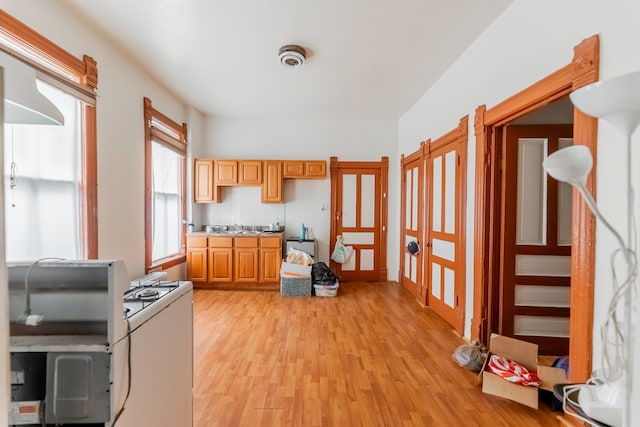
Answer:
(366, 58)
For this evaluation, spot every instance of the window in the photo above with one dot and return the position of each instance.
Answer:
(165, 204)
(54, 172)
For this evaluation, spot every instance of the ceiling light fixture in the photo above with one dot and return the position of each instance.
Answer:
(292, 55)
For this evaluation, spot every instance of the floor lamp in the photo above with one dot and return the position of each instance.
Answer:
(607, 396)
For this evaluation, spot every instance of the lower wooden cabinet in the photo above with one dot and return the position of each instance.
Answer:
(270, 259)
(234, 262)
(246, 260)
(197, 259)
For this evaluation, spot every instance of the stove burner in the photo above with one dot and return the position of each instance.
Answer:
(143, 294)
(148, 294)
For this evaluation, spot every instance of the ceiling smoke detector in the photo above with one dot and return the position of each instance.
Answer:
(292, 55)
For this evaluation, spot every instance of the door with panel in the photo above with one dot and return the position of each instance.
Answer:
(412, 217)
(535, 272)
(445, 257)
(359, 211)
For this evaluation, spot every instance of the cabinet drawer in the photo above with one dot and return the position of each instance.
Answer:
(220, 242)
(270, 242)
(196, 242)
(246, 242)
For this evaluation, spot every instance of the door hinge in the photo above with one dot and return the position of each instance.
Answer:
(384, 195)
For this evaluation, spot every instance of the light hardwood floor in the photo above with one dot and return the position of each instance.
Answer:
(369, 357)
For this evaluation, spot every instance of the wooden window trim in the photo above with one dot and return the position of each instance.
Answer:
(158, 127)
(50, 58)
(582, 70)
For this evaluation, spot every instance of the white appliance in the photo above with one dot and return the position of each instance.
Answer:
(108, 352)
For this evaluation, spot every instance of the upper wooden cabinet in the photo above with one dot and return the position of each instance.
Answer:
(237, 172)
(315, 169)
(210, 175)
(204, 190)
(250, 172)
(226, 172)
(272, 182)
(305, 169)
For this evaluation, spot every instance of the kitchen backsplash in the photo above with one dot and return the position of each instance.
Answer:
(241, 205)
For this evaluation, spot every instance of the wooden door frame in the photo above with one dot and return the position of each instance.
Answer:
(416, 156)
(582, 70)
(383, 167)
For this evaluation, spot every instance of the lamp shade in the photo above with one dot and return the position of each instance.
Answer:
(616, 100)
(571, 164)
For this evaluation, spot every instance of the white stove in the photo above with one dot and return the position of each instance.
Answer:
(146, 298)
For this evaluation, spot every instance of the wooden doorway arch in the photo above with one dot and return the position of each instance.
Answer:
(582, 70)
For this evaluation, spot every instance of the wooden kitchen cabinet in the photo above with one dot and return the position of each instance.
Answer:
(315, 169)
(293, 168)
(226, 172)
(246, 260)
(241, 262)
(271, 191)
(270, 259)
(220, 260)
(250, 172)
(204, 190)
(305, 169)
(197, 259)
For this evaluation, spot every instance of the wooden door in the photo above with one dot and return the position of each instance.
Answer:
(536, 240)
(445, 255)
(412, 217)
(359, 211)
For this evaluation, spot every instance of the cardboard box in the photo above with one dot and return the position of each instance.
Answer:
(288, 269)
(526, 354)
(295, 280)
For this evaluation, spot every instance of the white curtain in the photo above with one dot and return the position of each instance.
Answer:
(167, 195)
(43, 209)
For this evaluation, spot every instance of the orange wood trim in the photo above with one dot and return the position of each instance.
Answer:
(480, 289)
(583, 70)
(384, 217)
(84, 71)
(461, 245)
(335, 197)
(90, 183)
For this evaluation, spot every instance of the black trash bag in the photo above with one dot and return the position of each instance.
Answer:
(321, 274)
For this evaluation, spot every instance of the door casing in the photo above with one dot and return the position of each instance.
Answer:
(582, 70)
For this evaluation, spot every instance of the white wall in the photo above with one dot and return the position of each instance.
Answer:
(526, 43)
(247, 138)
(121, 88)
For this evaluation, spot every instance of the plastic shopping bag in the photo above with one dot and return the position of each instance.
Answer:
(341, 253)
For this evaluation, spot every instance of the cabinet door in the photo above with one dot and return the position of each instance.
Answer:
(246, 265)
(226, 172)
(220, 265)
(293, 168)
(203, 181)
(272, 182)
(250, 172)
(315, 169)
(270, 260)
(197, 265)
